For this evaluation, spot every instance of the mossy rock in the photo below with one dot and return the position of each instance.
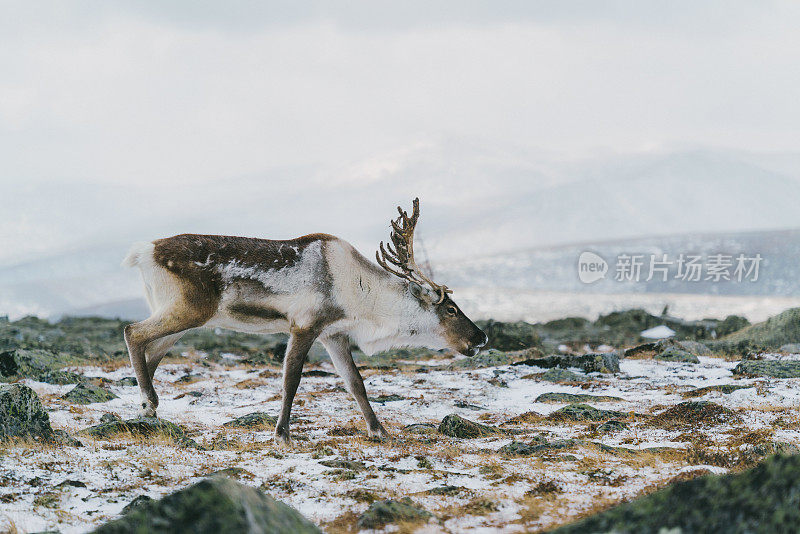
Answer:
(22, 414)
(674, 354)
(252, 420)
(764, 499)
(59, 377)
(769, 368)
(213, 505)
(352, 465)
(771, 334)
(520, 449)
(142, 426)
(583, 412)
(607, 362)
(489, 358)
(456, 426)
(22, 363)
(693, 414)
(575, 397)
(510, 336)
(560, 376)
(85, 393)
(382, 513)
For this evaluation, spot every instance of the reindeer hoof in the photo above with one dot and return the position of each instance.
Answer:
(147, 409)
(378, 433)
(282, 439)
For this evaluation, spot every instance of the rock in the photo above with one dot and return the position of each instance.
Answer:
(607, 362)
(559, 376)
(143, 426)
(690, 415)
(109, 417)
(763, 499)
(59, 377)
(793, 348)
(22, 414)
(575, 397)
(252, 420)
(128, 381)
(510, 336)
(446, 490)
(344, 464)
(458, 427)
(612, 425)
(85, 393)
(211, 506)
(382, 513)
(489, 358)
(583, 412)
(674, 354)
(771, 334)
(468, 406)
(26, 363)
(695, 347)
(519, 449)
(135, 503)
(721, 388)
(769, 368)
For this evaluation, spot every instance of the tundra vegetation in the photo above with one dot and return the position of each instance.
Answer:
(573, 425)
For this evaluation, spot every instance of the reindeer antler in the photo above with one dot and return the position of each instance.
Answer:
(402, 255)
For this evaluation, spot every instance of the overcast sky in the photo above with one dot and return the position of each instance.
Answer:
(148, 93)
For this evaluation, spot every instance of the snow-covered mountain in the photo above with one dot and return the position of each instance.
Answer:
(60, 245)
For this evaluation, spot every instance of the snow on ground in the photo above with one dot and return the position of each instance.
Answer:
(493, 493)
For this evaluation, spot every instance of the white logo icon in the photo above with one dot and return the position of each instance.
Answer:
(591, 267)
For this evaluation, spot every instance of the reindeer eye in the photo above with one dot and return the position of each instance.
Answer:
(452, 310)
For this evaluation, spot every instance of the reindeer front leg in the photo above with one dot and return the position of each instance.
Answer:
(300, 342)
(338, 347)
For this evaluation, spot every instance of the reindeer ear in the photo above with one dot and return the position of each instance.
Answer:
(419, 292)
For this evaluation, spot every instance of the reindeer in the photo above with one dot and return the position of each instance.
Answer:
(314, 287)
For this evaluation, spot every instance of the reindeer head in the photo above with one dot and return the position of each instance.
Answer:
(452, 328)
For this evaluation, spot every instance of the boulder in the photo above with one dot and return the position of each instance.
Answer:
(22, 414)
(213, 505)
(583, 412)
(510, 336)
(607, 362)
(575, 397)
(520, 449)
(85, 393)
(763, 499)
(142, 426)
(768, 368)
(489, 358)
(382, 513)
(22, 363)
(674, 354)
(457, 427)
(252, 420)
(559, 376)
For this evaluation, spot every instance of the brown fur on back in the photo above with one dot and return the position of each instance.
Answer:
(194, 257)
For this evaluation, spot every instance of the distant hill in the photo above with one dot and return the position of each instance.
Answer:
(556, 268)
